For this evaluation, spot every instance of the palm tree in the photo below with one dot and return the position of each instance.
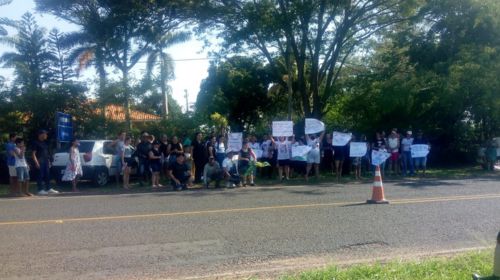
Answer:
(161, 61)
(5, 21)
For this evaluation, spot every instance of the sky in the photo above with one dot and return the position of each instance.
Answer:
(190, 60)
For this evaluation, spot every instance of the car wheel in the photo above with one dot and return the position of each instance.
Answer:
(101, 177)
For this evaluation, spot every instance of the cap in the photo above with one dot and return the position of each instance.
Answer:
(409, 132)
(42, 131)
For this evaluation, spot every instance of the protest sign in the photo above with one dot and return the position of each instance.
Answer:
(419, 150)
(340, 139)
(300, 152)
(357, 149)
(314, 126)
(283, 128)
(234, 142)
(379, 157)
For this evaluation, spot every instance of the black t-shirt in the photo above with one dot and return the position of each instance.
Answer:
(41, 148)
(163, 149)
(143, 149)
(378, 143)
(175, 148)
(199, 153)
(179, 171)
(156, 153)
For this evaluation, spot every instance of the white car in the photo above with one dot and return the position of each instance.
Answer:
(98, 159)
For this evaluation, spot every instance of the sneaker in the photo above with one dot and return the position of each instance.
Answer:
(43, 192)
(52, 191)
(252, 184)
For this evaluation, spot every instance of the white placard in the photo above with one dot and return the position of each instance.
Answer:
(379, 157)
(234, 142)
(419, 150)
(340, 139)
(283, 128)
(314, 126)
(300, 151)
(357, 149)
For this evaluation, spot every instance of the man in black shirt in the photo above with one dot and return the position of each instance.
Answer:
(142, 152)
(41, 158)
(199, 157)
(179, 173)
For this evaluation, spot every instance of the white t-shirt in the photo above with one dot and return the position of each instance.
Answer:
(20, 161)
(220, 148)
(266, 145)
(314, 144)
(393, 143)
(406, 144)
(227, 164)
(284, 149)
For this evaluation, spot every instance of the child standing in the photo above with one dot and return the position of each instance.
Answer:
(74, 167)
(22, 169)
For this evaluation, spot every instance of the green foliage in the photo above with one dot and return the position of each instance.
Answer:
(236, 89)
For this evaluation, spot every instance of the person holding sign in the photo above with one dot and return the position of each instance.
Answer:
(379, 145)
(340, 149)
(244, 159)
(407, 160)
(420, 163)
(355, 160)
(313, 157)
(284, 147)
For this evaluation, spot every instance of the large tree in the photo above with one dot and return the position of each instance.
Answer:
(315, 37)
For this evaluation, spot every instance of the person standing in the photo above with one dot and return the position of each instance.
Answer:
(164, 154)
(199, 157)
(327, 147)
(314, 156)
(267, 156)
(142, 152)
(393, 143)
(406, 148)
(220, 150)
(74, 167)
(155, 165)
(420, 163)
(41, 158)
(284, 149)
(22, 169)
(11, 163)
(128, 162)
(379, 145)
(118, 144)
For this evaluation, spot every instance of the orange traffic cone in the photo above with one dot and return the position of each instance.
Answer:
(378, 189)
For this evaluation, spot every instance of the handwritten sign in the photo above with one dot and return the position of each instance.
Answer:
(300, 152)
(234, 142)
(340, 139)
(357, 149)
(314, 126)
(283, 128)
(419, 150)
(379, 157)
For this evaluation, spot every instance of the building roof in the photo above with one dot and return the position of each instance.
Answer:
(117, 113)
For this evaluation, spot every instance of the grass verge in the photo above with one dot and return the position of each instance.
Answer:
(440, 268)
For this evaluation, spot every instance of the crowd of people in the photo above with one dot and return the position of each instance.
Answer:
(206, 160)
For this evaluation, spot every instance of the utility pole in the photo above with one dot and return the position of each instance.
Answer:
(186, 95)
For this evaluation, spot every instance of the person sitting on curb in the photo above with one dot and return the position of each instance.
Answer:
(179, 173)
(212, 172)
(230, 171)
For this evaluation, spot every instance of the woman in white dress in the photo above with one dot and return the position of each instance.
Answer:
(74, 167)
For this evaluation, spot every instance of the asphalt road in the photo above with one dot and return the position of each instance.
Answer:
(237, 233)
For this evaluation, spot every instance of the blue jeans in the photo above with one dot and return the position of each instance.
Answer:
(407, 163)
(43, 178)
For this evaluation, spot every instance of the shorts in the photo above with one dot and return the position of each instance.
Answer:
(131, 162)
(283, 162)
(420, 162)
(356, 161)
(22, 174)
(118, 162)
(155, 166)
(12, 171)
(338, 154)
(394, 156)
(313, 156)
